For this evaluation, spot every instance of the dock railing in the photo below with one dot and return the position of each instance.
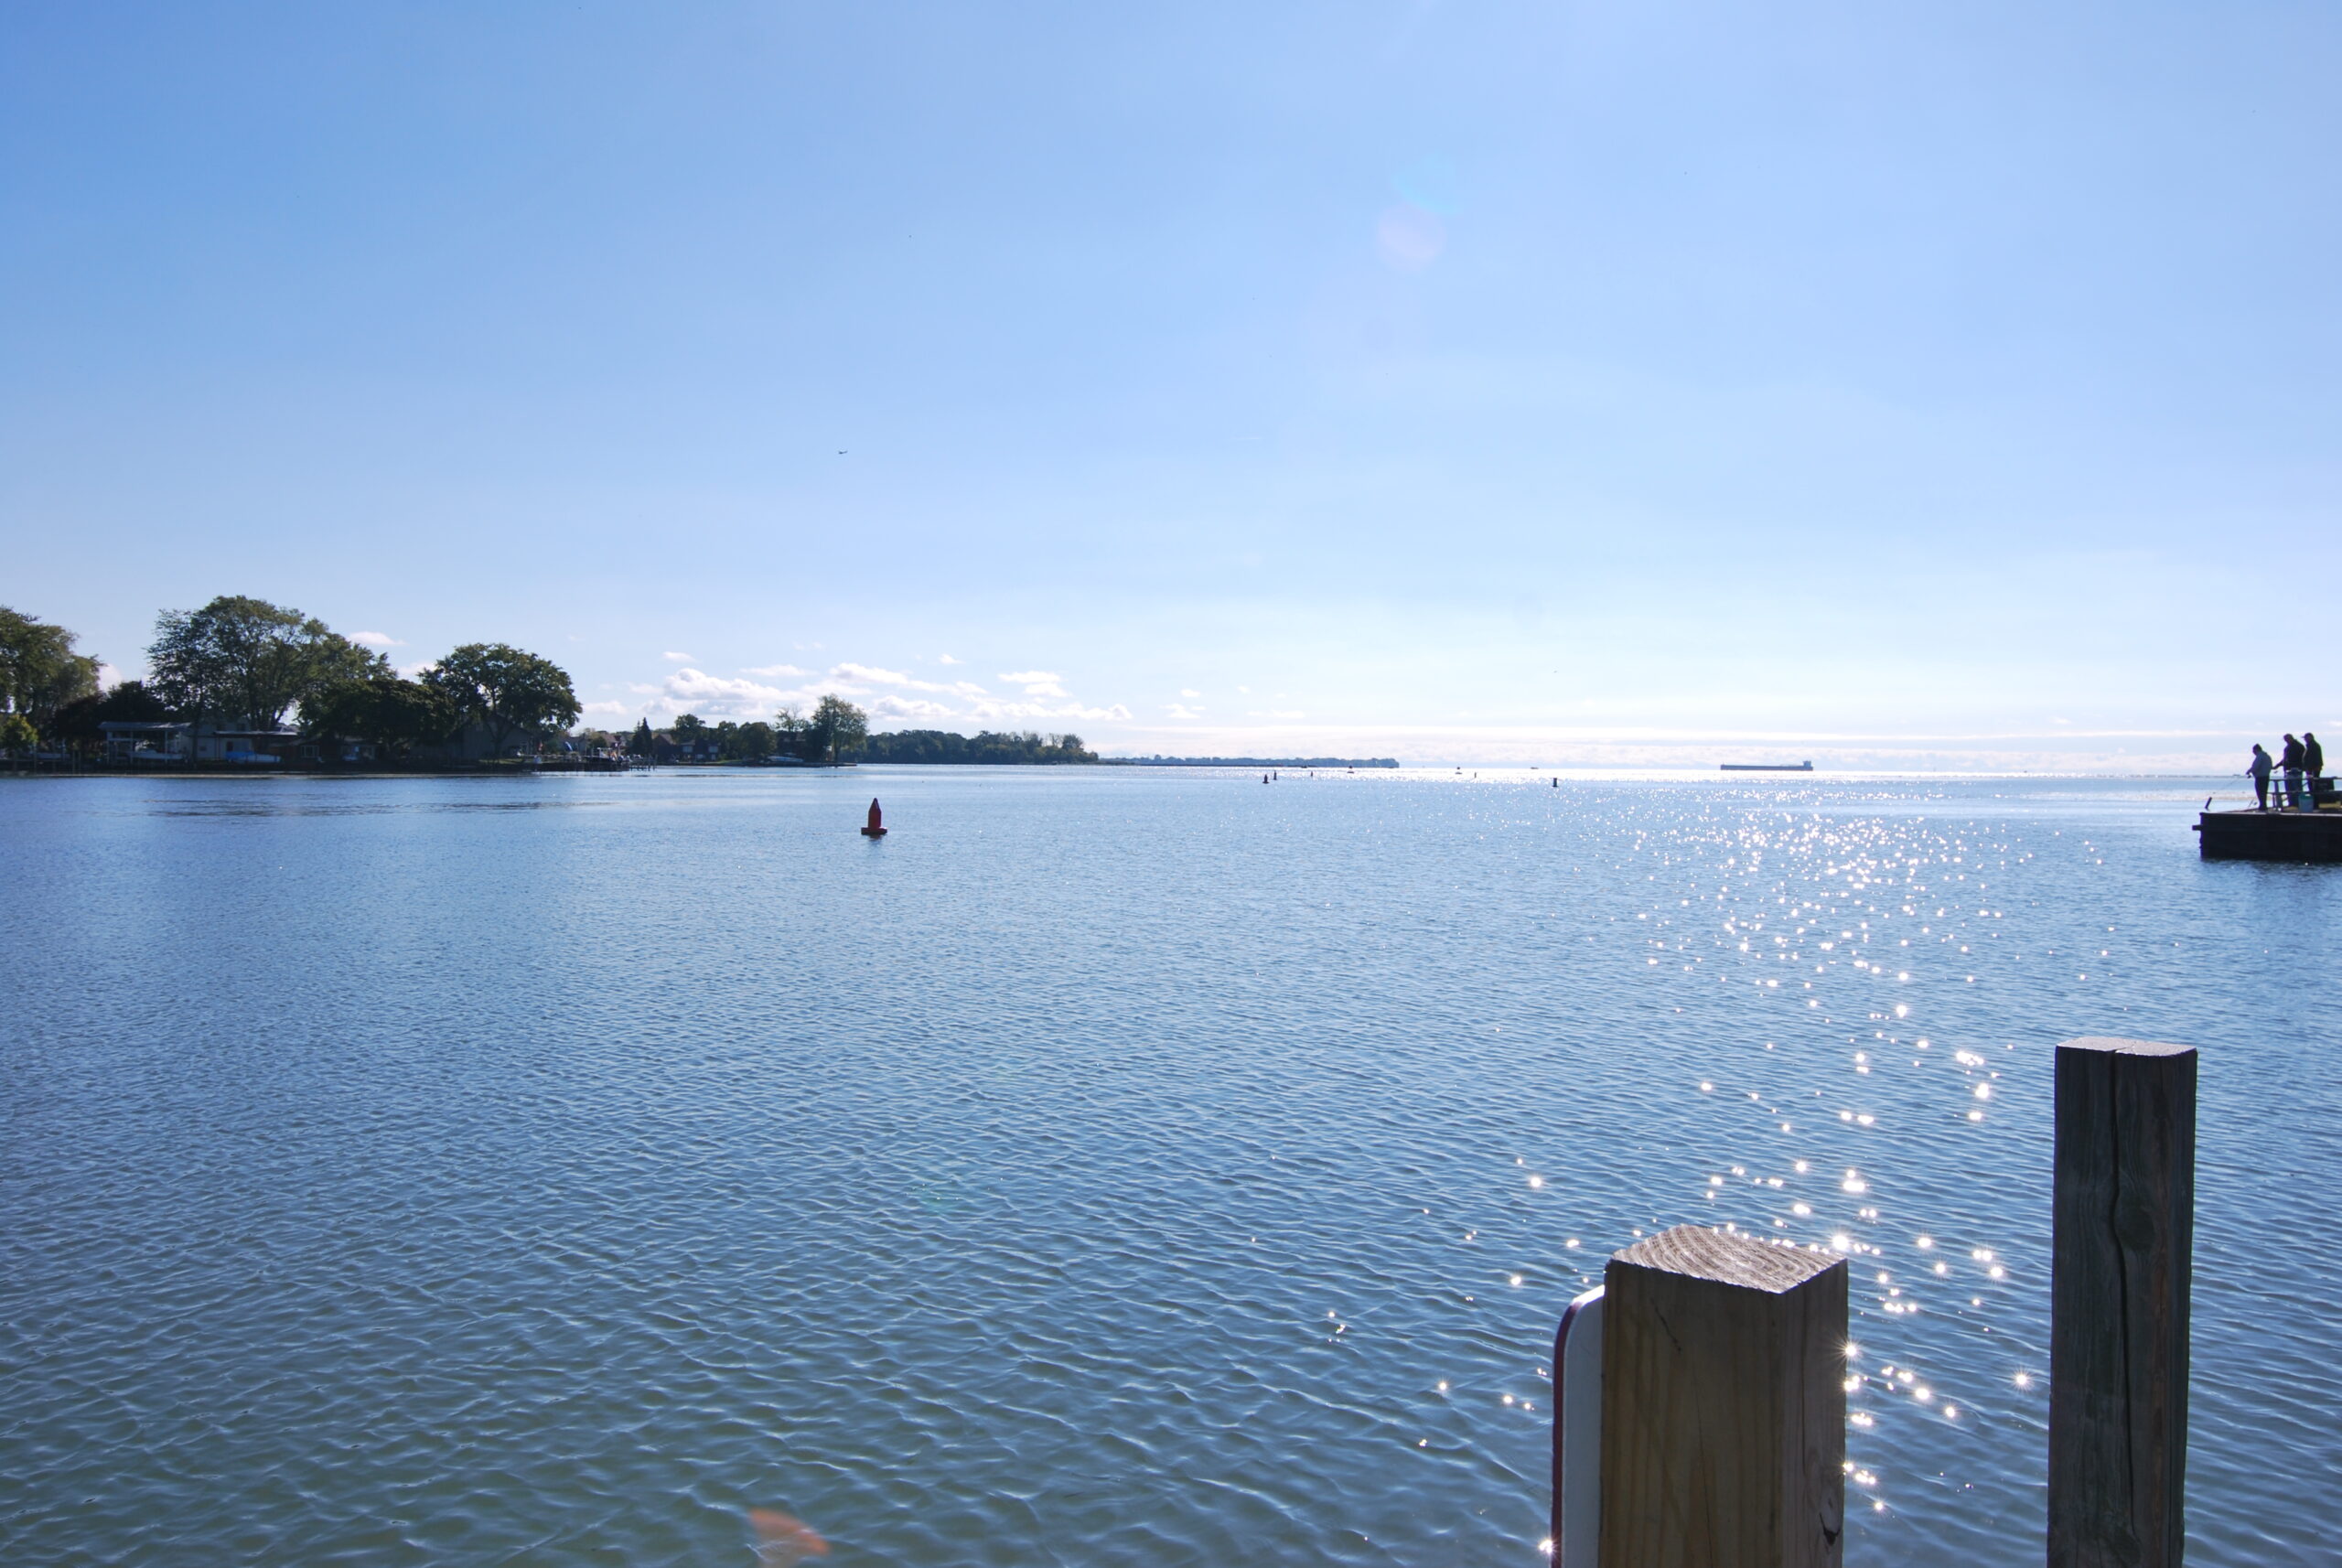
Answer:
(1724, 1362)
(2308, 793)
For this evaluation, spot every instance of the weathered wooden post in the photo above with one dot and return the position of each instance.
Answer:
(1723, 1405)
(2123, 1238)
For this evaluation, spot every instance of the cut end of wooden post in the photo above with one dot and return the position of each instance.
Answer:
(1723, 1403)
(1728, 1257)
(2120, 1046)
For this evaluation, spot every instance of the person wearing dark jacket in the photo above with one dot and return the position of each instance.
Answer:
(2290, 764)
(2258, 771)
(2313, 765)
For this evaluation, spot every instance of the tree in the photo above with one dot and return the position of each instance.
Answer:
(504, 690)
(752, 742)
(244, 661)
(17, 735)
(836, 730)
(40, 672)
(80, 723)
(408, 713)
(640, 742)
(687, 731)
(988, 747)
(339, 710)
(393, 713)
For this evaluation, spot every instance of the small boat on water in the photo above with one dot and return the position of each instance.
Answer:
(874, 828)
(1766, 766)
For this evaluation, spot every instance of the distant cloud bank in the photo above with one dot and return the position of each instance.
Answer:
(757, 691)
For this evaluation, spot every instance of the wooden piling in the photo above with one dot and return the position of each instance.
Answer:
(1723, 1403)
(2120, 1262)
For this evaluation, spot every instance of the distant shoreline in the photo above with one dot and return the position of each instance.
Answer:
(1247, 762)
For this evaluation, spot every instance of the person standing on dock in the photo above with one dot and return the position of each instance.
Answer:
(2291, 763)
(2258, 771)
(2313, 765)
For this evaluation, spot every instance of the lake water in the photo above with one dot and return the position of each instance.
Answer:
(1112, 1167)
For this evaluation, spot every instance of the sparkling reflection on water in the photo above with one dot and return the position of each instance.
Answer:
(1113, 1167)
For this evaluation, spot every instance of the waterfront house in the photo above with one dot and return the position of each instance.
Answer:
(132, 740)
(125, 740)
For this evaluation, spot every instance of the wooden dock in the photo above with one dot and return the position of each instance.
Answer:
(2301, 837)
(1722, 1365)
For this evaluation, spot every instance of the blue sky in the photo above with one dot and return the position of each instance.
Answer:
(1928, 386)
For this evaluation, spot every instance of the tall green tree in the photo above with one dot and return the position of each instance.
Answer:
(835, 731)
(506, 690)
(751, 742)
(40, 672)
(639, 743)
(394, 715)
(242, 660)
(939, 746)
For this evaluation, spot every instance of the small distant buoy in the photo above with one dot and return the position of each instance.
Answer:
(1264, 779)
(1557, 783)
(874, 828)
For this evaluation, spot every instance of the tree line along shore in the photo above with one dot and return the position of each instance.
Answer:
(245, 682)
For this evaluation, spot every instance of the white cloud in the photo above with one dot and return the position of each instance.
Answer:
(613, 707)
(714, 696)
(676, 657)
(1038, 682)
(891, 707)
(1181, 711)
(856, 677)
(375, 639)
(946, 658)
(868, 674)
(892, 696)
(1185, 691)
(993, 709)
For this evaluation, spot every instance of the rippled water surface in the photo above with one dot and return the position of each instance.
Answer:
(1110, 1166)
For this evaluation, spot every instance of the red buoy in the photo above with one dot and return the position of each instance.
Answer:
(874, 829)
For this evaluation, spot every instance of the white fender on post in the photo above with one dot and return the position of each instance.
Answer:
(1577, 1434)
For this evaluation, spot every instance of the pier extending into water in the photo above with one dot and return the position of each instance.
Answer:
(2302, 837)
